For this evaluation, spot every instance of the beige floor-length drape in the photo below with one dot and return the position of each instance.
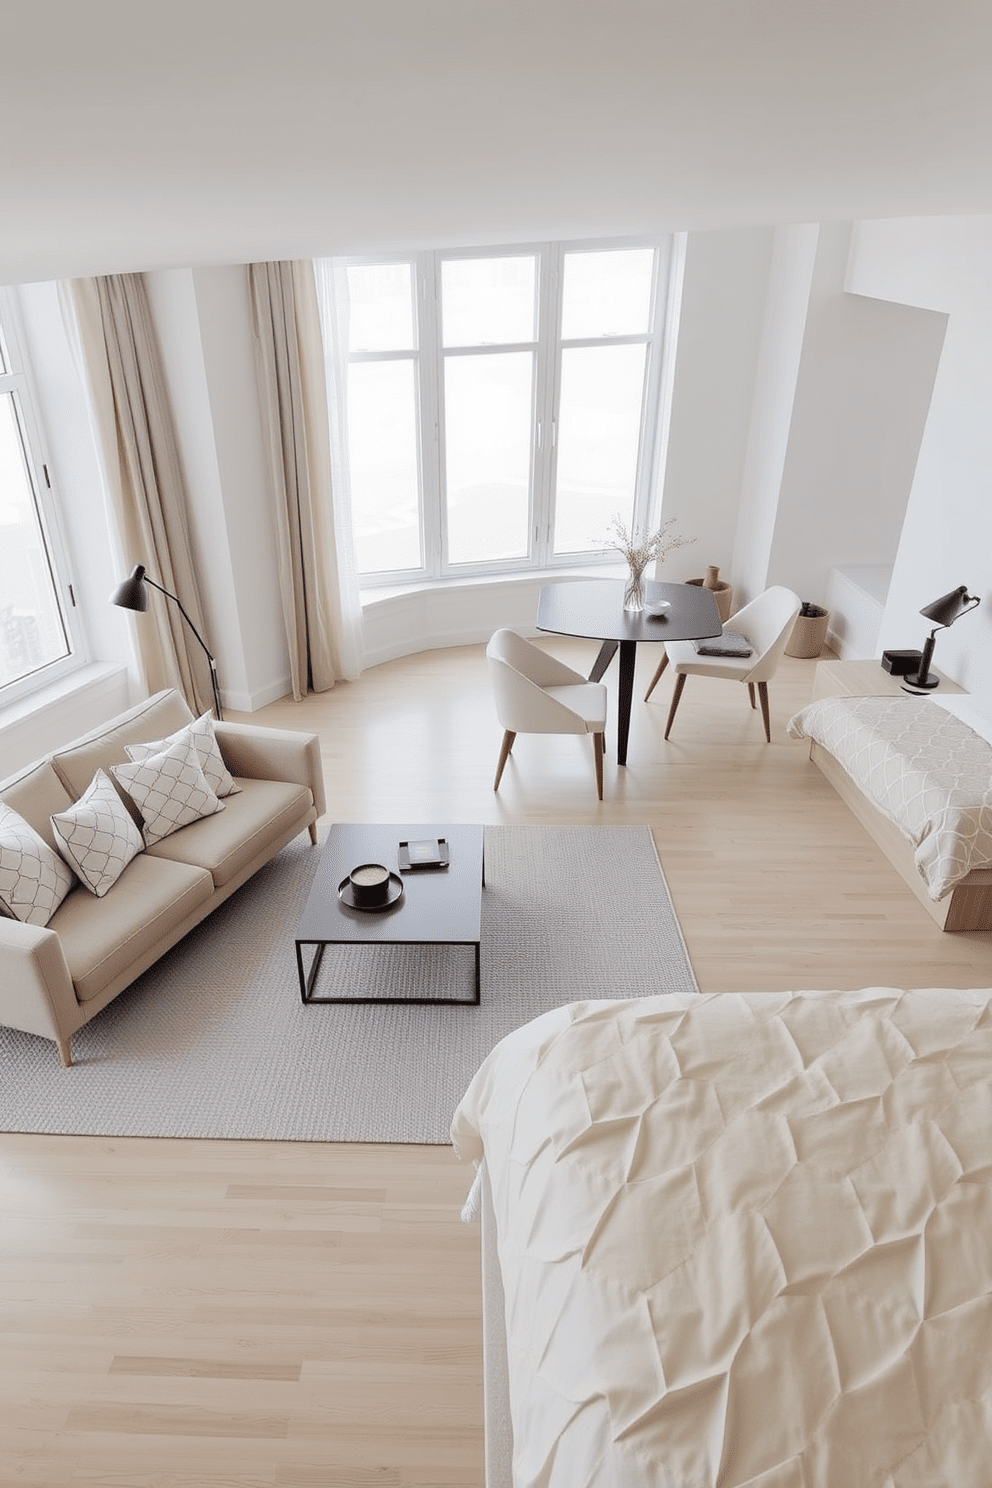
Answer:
(289, 358)
(144, 474)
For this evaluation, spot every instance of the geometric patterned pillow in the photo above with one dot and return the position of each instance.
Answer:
(201, 734)
(97, 835)
(33, 879)
(169, 789)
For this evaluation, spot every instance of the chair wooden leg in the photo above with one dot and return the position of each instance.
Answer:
(657, 676)
(750, 692)
(65, 1051)
(676, 697)
(598, 745)
(504, 755)
(313, 833)
(766, 717)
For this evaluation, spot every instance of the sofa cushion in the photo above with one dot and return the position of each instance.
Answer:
(251, 820)
(199, 733)
(102, 938)
(96, 835)
(157, 716)
(33, 879)
(35, 795)
(169, 789)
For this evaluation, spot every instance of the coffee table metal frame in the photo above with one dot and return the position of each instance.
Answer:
(440, 906)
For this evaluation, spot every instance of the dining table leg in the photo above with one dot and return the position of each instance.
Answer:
(625, 696)
(604, 656)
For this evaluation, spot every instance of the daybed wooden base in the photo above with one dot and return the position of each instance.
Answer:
(967, 907)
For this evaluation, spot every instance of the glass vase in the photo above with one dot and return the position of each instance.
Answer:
(633, 594)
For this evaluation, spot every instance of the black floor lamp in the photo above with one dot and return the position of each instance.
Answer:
(132, 595)
(943, 612)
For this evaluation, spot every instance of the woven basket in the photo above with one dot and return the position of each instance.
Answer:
(723, 594)
(808, 634)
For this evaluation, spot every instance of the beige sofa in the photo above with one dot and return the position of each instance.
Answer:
(55, 978)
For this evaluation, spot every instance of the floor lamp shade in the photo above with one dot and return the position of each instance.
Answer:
(943, 612)
(132, 594)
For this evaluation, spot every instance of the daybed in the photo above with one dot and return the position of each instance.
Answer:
(55, 977)
(742, 1239)
(917, 773)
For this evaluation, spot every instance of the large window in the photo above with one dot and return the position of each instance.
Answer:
(503, 406)
(36, 642)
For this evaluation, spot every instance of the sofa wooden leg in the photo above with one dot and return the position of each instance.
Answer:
(65, 1051)
(313, 833)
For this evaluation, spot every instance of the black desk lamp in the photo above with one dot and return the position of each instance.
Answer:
(943, 612)
(132, 595)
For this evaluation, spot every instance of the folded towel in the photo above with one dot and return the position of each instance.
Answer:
(728, 643)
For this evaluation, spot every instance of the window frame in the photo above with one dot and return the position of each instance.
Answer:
(19, 382)
(429, 356)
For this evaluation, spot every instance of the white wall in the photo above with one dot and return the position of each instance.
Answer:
(864, 384)
(724, 288)
(943, 265)
(779, 354)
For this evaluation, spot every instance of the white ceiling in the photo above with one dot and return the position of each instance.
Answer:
(144, 133)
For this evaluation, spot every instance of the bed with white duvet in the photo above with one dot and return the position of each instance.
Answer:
(739, 1241)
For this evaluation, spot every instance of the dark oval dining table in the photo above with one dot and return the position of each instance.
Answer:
(594, 608)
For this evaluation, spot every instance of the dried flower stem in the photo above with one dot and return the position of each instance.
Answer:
(640, 550)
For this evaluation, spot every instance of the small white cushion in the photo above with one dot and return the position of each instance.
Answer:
(201, 734)
(169, 789)
(33, 879)
(97, 835)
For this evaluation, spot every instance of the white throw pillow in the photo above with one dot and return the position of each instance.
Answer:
(201, 734)
(169, 789)
(33, 879)
(97, 835)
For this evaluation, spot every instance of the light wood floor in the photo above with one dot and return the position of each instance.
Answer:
(280, 1315)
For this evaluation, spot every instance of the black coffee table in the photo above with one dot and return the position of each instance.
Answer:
(594, 608)
(439, 906)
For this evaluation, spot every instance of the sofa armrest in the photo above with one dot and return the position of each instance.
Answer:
(36, 991)
(259, 753)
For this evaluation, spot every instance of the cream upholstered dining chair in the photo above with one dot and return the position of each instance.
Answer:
(537, 694)
(767, 623)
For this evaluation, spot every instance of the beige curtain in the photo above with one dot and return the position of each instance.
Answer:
(144, 474)
(289, 359)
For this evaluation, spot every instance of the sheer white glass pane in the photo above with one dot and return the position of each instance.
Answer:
(487, 415)
(488, 301)
(380, 311)
(382, 442)
(32, 633)
(607, 294)
(598, 435)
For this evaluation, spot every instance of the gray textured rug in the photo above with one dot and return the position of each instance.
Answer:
(214, 1042)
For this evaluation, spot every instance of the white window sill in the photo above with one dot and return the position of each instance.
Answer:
(83, 678)
(48, 718)
(375, 595)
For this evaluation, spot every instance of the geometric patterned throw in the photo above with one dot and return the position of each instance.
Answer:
(97, 835)
(201, 734)
(169, 789)
(33, 879)
(927, 771)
